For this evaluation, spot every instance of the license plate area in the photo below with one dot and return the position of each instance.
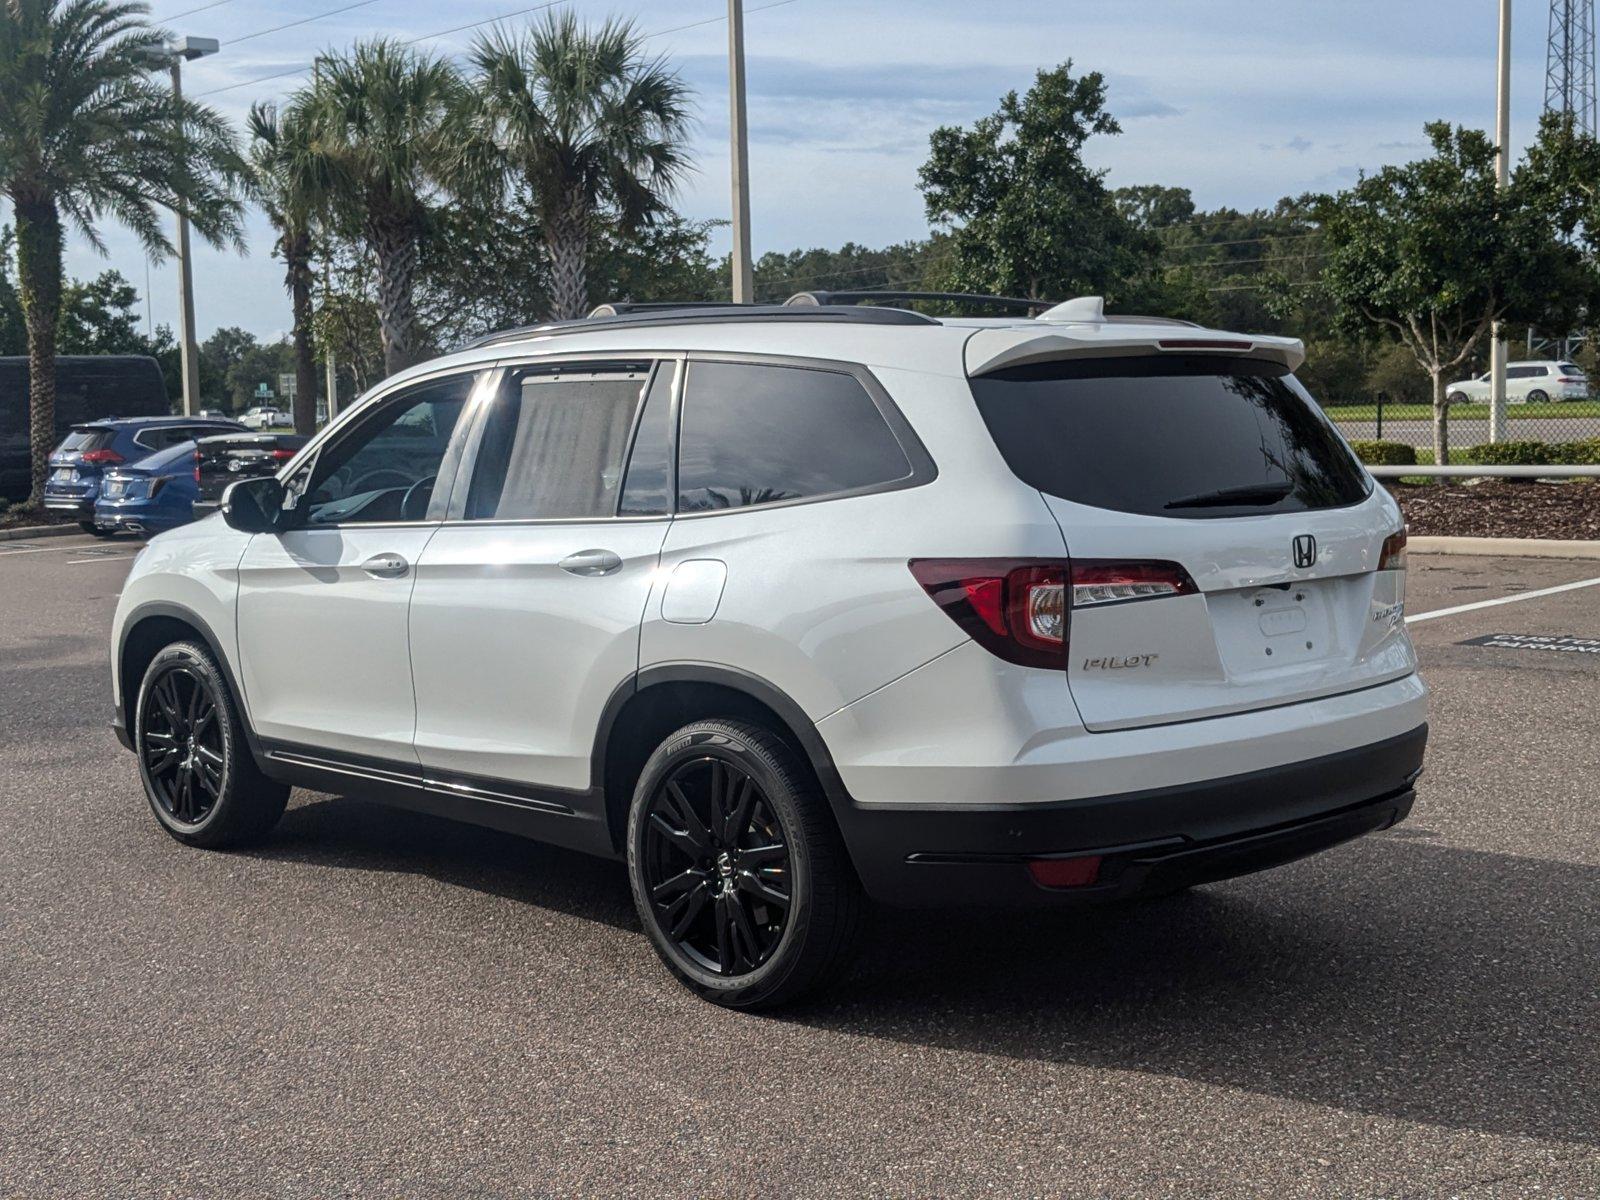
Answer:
(64, 475)
(1264, 629)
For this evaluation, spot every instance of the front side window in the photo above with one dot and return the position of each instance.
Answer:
(764, 434)
(384, 469)
(555, 441)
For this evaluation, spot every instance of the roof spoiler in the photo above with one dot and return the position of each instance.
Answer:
(991, 350)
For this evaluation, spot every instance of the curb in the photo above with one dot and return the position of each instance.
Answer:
(1505, 547)
(37, 531)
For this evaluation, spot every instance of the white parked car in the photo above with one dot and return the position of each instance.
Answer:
(786, 607)
(1526, 383)
(264, 416)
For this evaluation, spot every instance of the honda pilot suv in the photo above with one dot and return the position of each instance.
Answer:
(790, 607)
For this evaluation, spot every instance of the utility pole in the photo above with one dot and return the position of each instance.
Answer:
(744, 284)
(1502, 162)
(331, 383)
(175, 53)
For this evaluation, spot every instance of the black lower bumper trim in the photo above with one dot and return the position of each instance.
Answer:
(1149, 842)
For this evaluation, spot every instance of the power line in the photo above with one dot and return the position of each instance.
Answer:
(333, 12)
(189, 12)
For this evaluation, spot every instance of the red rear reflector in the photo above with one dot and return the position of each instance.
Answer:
(283, 455)
(101, 456)
(1065, 872)
(1393, 557)
(1203, 344)
(197, 466)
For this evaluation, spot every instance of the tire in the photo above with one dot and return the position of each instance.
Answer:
(194, 761)
(779, 951)
(1456, 398)
(91, 527)
(1538, 396)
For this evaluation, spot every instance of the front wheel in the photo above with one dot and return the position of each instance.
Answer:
(198, 773)
(738, 873)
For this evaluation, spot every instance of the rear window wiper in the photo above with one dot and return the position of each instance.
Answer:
(1250, 493)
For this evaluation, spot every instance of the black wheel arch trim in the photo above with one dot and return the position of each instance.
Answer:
(122, 720)
(798, 724)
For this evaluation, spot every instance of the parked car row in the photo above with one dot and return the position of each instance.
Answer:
(150, 474)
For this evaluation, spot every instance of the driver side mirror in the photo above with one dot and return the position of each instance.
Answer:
(255, 506)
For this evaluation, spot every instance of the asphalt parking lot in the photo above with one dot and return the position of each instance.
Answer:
(379, 1003)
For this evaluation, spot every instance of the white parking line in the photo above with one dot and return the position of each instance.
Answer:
(1461, 608)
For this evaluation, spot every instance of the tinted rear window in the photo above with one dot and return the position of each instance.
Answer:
(1569, 368)
(88, 439)
(1169, 436)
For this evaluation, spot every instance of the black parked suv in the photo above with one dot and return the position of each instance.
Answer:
(228, 458)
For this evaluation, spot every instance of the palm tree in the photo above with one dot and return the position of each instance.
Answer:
(86, 133)
(381, 118)
(587, 124)
(289, 179)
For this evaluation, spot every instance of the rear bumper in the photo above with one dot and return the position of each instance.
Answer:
(1148, 841)
(82, 506)
(204, 508)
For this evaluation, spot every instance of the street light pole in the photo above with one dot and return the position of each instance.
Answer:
(173, 55)
(1502, 139)
(188, 351)
(743, 272)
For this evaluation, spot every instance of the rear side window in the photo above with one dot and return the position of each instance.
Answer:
(554, 443)
(761, 434)
(1169, 436)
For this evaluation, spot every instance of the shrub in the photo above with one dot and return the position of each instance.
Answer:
(1385, 454)
(1507, 454)
(1584, 453)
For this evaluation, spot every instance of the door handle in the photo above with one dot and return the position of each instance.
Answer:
(386, 566)
(591, 562)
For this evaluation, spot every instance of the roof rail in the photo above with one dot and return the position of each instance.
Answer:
(801, 299)
(691, 314)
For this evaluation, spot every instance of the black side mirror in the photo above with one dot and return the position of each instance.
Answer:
(255, 505)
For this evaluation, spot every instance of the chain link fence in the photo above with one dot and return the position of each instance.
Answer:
(1538, 429)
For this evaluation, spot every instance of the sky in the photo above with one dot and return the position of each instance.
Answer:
(1242, 101)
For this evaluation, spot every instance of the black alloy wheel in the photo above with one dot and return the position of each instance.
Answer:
(181, 743)
(716, 862)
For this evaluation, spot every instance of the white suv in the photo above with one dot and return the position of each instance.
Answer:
(785, 606)
(1526, 383)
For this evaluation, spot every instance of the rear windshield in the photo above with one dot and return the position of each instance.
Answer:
(90, 438)
(1569, 368)
(1170, 435)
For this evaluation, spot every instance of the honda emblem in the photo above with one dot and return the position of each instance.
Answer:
(1305, 551)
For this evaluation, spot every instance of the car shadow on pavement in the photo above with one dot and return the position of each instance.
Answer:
(338, 832)
(1390, 977)
(1387, 977)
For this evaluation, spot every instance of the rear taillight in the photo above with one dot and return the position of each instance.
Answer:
(1571, 379)
(197, 466)
(1018, 608)
(1015, 608)
(1393, 555)
(103, 458)
(1102, 581)
(282, 455)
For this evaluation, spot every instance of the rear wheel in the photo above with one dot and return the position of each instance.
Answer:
(199, 775)
(1456, 398)
(1538, 396)
(738, 873)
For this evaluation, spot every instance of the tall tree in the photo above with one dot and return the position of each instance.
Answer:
(289, 180)
(590, 125)
(86, 132)
(380, 118)
(1026, 215)
(1434, 252)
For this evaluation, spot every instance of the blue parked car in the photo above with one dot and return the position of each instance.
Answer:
(155, 494)
(91, 449)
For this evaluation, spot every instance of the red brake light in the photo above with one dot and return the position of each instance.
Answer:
(1019, 609)
(1203, 344)
(197, 466)
(282, 455)
(1012, 607)
(1393, 556)
(101, 457)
